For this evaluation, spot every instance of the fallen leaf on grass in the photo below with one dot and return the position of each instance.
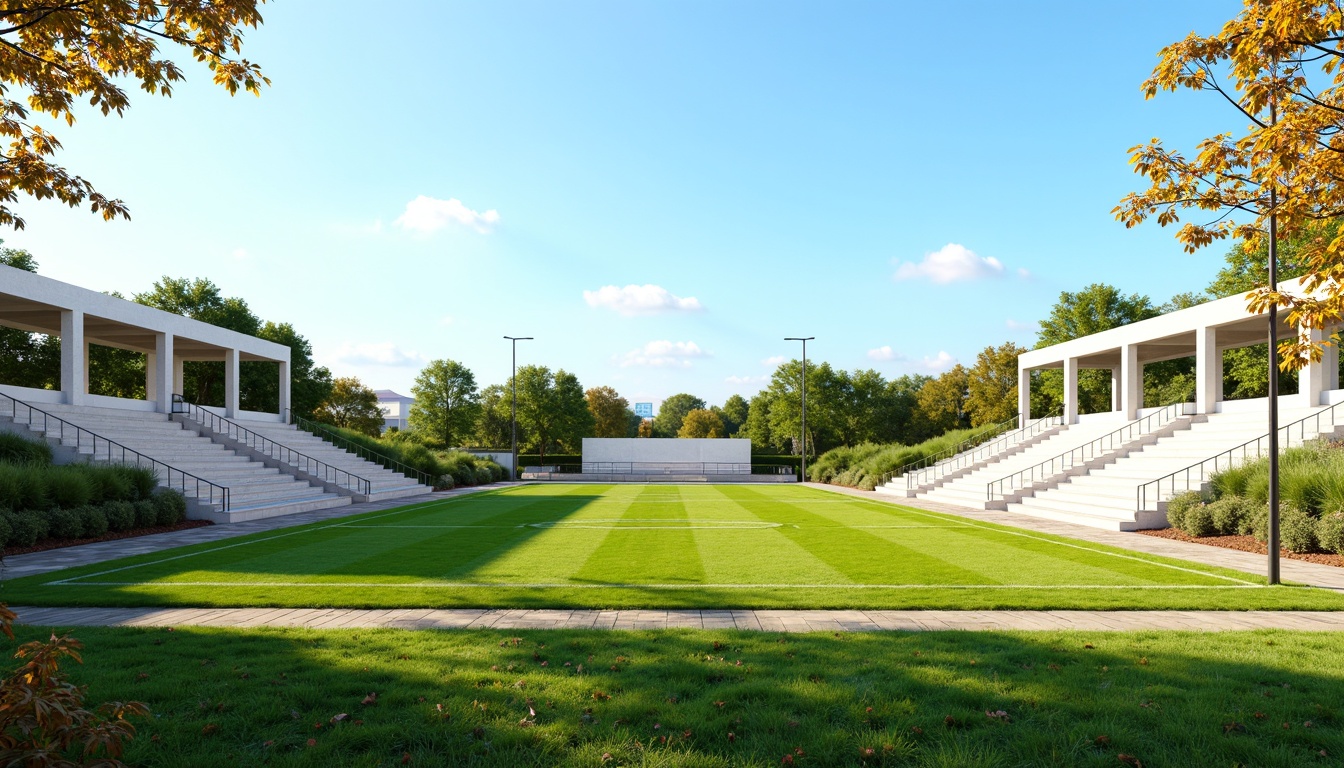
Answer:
(210, 729)
(1129, 760)
(372, 698)
(312, 742)
(339, 718)
(1233, 726)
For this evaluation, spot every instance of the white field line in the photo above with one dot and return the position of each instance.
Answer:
(1034, 537)
(589, 585)
(337, 524)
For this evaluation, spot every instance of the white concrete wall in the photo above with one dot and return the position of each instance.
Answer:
(667, 450)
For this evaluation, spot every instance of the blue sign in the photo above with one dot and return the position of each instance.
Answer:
(644, 410)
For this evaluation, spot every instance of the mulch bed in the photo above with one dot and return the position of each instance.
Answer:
(1244, 544)
(46, 544)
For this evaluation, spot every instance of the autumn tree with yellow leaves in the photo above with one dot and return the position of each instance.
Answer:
(54, 53)
(1278, 64)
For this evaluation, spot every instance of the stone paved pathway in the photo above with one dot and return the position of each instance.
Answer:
(770, 621)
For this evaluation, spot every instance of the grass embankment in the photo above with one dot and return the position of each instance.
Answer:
(862, 466)
(720, 698)
(658, 547)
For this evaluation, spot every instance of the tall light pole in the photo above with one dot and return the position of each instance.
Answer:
(1272, 575)
(513, 410)
(804, 399)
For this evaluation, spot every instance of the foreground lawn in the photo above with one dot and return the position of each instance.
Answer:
(699, 698)
(658, 547)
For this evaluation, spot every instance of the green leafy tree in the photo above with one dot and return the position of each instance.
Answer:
(64, 54)
(942, 401)
(733, 414)
(826, 391)
(610, 412)
(200, 299)
(672, 412)
(446, 403)
(991, 385)
(352, 405)
(901, 399)
(552, 411)
(494, 423)
(701, 423)
(309, 383)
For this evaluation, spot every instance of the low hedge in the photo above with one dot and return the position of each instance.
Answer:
(26, 527)
(449, 469)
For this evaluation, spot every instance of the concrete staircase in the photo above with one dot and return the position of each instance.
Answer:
(385, 484)
(951, 468)
(255, 489)
(1106, 497)
(968, 490)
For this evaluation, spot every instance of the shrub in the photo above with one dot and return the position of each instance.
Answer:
(445, 483)
(5, 531)
(10, 485)
(23, 529)
(17, 449)
(64, 524)
(110, 484)
(142, 480)
(1179, 504)
(68, 487)
(1297, 530)
(32, 490)
(1232, 515)
(146, 514)
(1198, 521)
(483, 475)
(94, 520)
(1330, 532)
(170, 507)
(1260, 521)
(120, 515)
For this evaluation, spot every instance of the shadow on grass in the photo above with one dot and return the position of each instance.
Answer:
(721, 698)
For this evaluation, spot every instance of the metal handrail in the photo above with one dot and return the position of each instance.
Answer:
(987, 433)
(218, 494)
(1226, 459)
(283, 453)
(322, 431)
(1083, 453)
(976, 455)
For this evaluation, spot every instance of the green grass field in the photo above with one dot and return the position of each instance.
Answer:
(718, 699)
(657, 546)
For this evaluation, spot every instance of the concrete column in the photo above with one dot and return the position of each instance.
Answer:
(1070, 390)
(1312, 378)
(151, 386)
(1117, 404)
(284, 390)
(1331, 360)
(1023, 397)
(179, 378)
(74, 357)
(1131, 382)
(231, 383)
(162, 362)
(1208, 370)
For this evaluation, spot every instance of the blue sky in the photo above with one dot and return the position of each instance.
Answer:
(659, 192)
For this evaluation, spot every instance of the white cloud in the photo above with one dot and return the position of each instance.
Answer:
(640, 300)
(241, 254)
(384, 353)
(940, 362)
(428, 214)
(663, 354)
(884, 354)
(949, 264)
(446, 320)
(1024, 273)
(747, 379)
(1014, 325)
(774, 362)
